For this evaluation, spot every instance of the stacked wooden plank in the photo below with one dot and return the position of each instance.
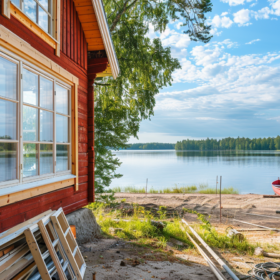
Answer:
(41, 248)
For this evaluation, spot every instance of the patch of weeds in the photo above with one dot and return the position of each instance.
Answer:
(229, 190)
(162, 212)
(218, 240)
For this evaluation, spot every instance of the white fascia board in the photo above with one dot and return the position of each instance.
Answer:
(106, 36)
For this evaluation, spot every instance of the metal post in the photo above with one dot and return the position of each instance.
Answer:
(220, 199)
(217, 178)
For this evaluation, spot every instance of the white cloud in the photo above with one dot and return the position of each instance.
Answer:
(253, 41)
(242, 17)
(173, 38)
(224, 80)
(276, 6)
(178, 25)
(262, 13)
(222, 21)
(236, 2)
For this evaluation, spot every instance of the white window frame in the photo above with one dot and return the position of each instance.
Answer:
(22, 63)
(51, 27)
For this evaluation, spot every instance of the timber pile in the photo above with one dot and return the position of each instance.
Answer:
(41, 248)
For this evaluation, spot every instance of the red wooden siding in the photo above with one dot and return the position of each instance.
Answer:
(73, 58)
(66, 198)
(73, 43)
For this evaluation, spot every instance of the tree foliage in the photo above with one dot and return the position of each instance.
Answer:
(229, 143)
(146, 67)
(151, 146)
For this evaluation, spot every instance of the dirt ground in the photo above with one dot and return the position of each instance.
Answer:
(113, 259)
(105, 256)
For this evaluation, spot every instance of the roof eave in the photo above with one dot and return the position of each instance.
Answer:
(106, 36)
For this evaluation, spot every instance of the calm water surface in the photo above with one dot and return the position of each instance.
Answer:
(247, 171)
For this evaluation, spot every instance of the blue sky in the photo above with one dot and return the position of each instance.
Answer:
(228, 87)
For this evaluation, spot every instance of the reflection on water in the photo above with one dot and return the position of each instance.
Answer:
(8, 166)
(247, 171)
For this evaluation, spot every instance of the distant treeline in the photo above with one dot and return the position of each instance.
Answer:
(151, 146)
(230, 144)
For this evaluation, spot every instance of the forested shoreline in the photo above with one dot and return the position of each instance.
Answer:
(270, 143)
(151, 146)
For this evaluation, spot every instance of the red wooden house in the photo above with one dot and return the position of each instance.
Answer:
(50, 53)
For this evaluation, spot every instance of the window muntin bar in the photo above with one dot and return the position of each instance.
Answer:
(34, 117)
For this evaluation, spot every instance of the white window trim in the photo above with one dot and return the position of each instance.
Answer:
(24, 182)
(55, 18)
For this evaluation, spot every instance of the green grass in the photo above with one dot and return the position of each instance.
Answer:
(203, 189)
(129, 189)
(229, 190)
(140, 229)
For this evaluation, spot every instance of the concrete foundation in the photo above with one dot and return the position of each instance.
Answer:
(87, 229)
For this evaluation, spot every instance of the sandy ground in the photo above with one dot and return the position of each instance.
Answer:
(105, 256)
(113, 259)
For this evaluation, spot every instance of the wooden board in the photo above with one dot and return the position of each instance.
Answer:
(52, 252)
(35, 250)
(14, 197)
(29, 269)
(15, 269)
(19, 229)
(14, 258)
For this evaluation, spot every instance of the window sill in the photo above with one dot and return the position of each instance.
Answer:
(16, 193)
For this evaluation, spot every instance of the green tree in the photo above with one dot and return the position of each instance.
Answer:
(146, 67)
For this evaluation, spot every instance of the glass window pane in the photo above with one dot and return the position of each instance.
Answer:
(45, 4)
(30, 160)
(30, 87)
(61, 129)
(46, 158)
(46, 126)
(29, 8)
(62, 157)
(8, 120)
(8, 161)
(30, 124)
(46, 93)
(16, 2)
(43, 19)
(61, 100)
(8, 78)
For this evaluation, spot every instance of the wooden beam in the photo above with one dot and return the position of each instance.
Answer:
(90, 26)
(85, 10)
(95, 41)
(75, 150)
(96, 47)
(52, 252)
(14, 197)
(14, 259)
(36, 252)
(95, 33)
(57, 26)
(20, 16)
(18, 46)
(87, 18)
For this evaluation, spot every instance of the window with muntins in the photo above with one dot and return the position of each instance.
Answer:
(34, 124)
(39, 11)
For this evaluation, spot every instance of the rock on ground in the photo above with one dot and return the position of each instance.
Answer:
(87, 229)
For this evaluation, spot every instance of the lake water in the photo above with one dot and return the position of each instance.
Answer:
(247, 171)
